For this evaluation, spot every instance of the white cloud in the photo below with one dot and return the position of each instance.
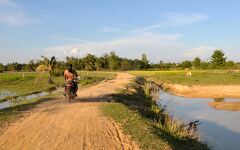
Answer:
(157, 46)
(109, 29)
(11, 14)
(68, 38)
(203, 52)
(175, 20)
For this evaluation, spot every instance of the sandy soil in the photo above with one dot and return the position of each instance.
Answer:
(218, 91)
(79, 125)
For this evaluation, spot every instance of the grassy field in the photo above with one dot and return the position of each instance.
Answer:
(199, 77)
(24, 83)
(19, 85)
(95, 76)
(16, 83)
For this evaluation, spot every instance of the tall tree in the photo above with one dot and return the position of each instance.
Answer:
(205, 65)
(125, 65)
(90, 62)
(76, 62)
(14, 66)
(186, 64)
(136, 64)
(145, 64)
(161, 64)
(114, 61)
(102, 62)
(105, 62)
(30, 66)
(197, 62)
(218, 59)
(1, 68)
(230, 65)
(49, 64)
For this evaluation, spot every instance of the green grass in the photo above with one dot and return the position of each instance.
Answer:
(140, 129)
(132, 111)
(95, 77)
(15, 83)
(199, 77)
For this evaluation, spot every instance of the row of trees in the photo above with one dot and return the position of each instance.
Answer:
(218, 61)
(112, 61)
(31, 66)
(90, 62)
(108, 62)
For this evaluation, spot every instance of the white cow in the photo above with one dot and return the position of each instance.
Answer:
(189, 74)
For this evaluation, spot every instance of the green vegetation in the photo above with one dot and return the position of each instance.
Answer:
(197, 62)
(47, 65)
(218, 59)
(140, 129)
(1, 68)
(95, 77)
(186, 64)
(199, 77)
(24, 83)
(111, 61)
(22, 86)
(148, 124)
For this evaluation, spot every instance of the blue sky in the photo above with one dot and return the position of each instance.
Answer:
(169, 30)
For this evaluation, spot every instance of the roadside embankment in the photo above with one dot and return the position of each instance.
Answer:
(149, 125)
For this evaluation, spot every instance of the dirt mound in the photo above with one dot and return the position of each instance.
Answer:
(212, 91)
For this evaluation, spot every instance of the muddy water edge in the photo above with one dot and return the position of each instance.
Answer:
(9, 98)
(219, 128)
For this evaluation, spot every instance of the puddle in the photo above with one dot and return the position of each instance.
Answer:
(5, 93)
(5, 104)
(16, 100)
(218, 128)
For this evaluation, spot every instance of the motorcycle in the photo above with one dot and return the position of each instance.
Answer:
(71, 89)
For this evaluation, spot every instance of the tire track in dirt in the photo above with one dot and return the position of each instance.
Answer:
(79, 125)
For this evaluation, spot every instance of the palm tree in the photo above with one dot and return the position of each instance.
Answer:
(47, 65)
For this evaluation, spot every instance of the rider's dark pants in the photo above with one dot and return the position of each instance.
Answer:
(74, 87)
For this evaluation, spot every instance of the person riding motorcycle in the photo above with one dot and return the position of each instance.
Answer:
(69, 76)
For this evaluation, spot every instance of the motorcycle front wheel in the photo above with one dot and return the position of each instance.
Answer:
(69, 100)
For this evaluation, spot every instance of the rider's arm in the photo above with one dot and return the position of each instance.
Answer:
(75, 73)
(65, 76)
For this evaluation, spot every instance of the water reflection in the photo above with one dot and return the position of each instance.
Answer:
(219, 99)
(5, 93)
(219, 128)
(11, 101)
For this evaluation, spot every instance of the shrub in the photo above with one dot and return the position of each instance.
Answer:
(88, 80)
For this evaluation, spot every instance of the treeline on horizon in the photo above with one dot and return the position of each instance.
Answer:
(111, 61)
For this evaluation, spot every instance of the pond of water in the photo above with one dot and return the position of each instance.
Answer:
(219, 128)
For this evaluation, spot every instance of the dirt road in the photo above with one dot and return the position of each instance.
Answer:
(79, 125)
